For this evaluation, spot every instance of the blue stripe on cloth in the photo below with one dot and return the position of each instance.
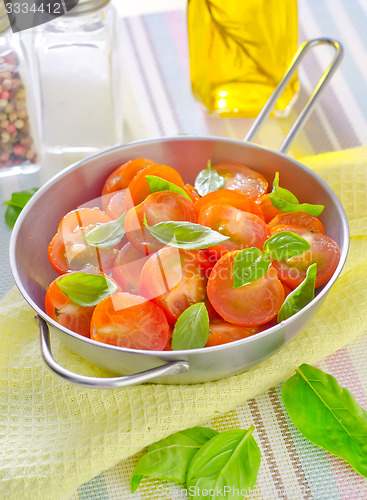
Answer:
(175, 78)
(95, 489)
(314, 461)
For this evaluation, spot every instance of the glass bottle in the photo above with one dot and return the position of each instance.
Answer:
(239, 51)
(78, 71)
(18, 149)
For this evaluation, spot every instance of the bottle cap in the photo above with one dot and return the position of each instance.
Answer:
(86, 6)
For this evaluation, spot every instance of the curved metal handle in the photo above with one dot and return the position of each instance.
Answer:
(324, 80)
(171, 368)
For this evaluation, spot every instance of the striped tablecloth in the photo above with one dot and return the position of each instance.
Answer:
(158, 102)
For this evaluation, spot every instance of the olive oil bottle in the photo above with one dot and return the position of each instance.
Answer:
(239, 51)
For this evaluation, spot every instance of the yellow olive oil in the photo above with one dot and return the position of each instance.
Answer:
(239, 51)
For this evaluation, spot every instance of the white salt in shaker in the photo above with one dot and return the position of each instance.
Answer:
(79, 79)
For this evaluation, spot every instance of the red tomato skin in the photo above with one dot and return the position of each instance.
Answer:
(222, 332)
(158, 207)
(253, 304)
(324, 251)
(175, 279)
(233, 197)
(127, 269)
(300, 219)
(245, 229)
(130, 321)
(121, 177)
(267, 208)
(239, 176)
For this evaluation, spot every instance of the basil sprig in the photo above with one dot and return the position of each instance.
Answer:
(107, 234)
(300, 296)
(327, 414)
(208, 180)
(205, 459)
(191, 330)
(86, 290)
(169, 458)
(16, 204)
(185, 235)
(251, 264)
(284, 200)
(159, 184)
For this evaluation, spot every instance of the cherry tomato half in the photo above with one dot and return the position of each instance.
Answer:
(222, 332)
(324, 251)
(232, 197)
(121, 177)
(175, 279)
(244, 229)
(301, 219)
(267, 208)
(251, 305)
(127, 269)
(117, 203)
(68, 250)
(238, 176)
(127, 320)
(139, 187)
(158, 207)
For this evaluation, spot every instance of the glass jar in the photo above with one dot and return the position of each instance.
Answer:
(79, 74)
(18, 149)
(239, 51)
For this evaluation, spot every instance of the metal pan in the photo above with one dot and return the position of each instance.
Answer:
(83, 182)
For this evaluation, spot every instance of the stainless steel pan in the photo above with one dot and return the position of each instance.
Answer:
(83, 182)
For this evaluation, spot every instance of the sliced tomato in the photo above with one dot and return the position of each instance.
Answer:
(324, 251)
(243, 228)
(139, 187)
(175, 279)
(117, 203)
(127, 268)
(267, 208)
(301, 219)
(232, 197)
(191, 191)
(238, 176)
(251, 305)
(127, 320)
(158, 207)
(121, 177)
(222, 332)
(68, 250)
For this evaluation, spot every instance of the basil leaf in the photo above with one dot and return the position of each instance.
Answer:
(208, 180)
(107, 234)
(228, 462)
(159, 184)
(300, 296)
(169, 458)
(327, 414)
(284, 245)
(284, 200)
(191, 330)
(185, 235)
(16, 203)
(84, 289)
(250, 264)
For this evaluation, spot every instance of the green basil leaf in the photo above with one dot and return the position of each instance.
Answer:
(327, 414)
(84, 289)
(159, 184)
(284, 200)
(107, 234)
(284, 245)
(208, 180)
(250, 264)
(191, 330)
(300, 296)
(169, 458)
(186, 235)
(228, 462)
(15, 205)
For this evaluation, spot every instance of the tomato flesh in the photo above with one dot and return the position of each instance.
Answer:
(130, 321)
(233, 197)
(222, 332)
(267, 208)
(121, 177)
(127, 268)
(238, 176)
(301, 219)
(251, 305)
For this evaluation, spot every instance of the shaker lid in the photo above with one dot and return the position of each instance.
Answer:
(86, 6)
(4, 20)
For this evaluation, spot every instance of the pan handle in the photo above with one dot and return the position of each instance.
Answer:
(324, 80)
(171, 368)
